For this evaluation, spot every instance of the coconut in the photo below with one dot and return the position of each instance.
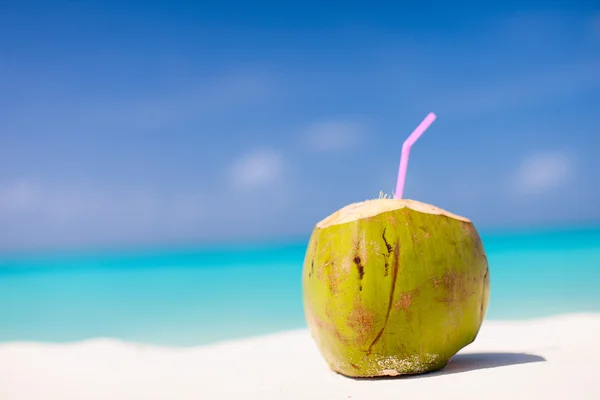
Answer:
(394, 287)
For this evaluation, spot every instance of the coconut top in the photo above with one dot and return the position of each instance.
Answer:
(370, 208)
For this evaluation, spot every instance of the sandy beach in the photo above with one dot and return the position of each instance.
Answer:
(550, 358)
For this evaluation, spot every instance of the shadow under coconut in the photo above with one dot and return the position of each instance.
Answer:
(473, 361)
(470, 362)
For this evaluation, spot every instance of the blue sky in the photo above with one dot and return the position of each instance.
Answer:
(164, 122)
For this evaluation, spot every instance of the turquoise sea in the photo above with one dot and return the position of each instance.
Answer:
(199, 296)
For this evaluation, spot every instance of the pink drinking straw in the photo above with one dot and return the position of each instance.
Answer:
(406, 150)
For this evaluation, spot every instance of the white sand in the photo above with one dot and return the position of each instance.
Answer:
(555, 358)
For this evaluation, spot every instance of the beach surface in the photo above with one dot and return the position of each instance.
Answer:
(550, 358)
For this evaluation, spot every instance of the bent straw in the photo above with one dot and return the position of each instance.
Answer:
(406, 150)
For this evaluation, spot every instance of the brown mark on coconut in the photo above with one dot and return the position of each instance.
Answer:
(346, 265)
(386, 256)
(470, 229)
(454, 288)
(329, 326)
(359, 267)
(405, 301)
(387, 245)
(358, 261)
(335, 277)
(395, 268)
(414, 237)
(361, 320)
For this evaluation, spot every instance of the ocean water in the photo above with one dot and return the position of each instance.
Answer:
(199, 296)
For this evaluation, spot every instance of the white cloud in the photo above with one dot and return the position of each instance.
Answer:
(70, 205)
(197, 100)
(260, 167)
(544, 172)
(17, 197)
(41, 214)
(334, 136)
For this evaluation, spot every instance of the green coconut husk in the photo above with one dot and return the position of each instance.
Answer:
(394, 287)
